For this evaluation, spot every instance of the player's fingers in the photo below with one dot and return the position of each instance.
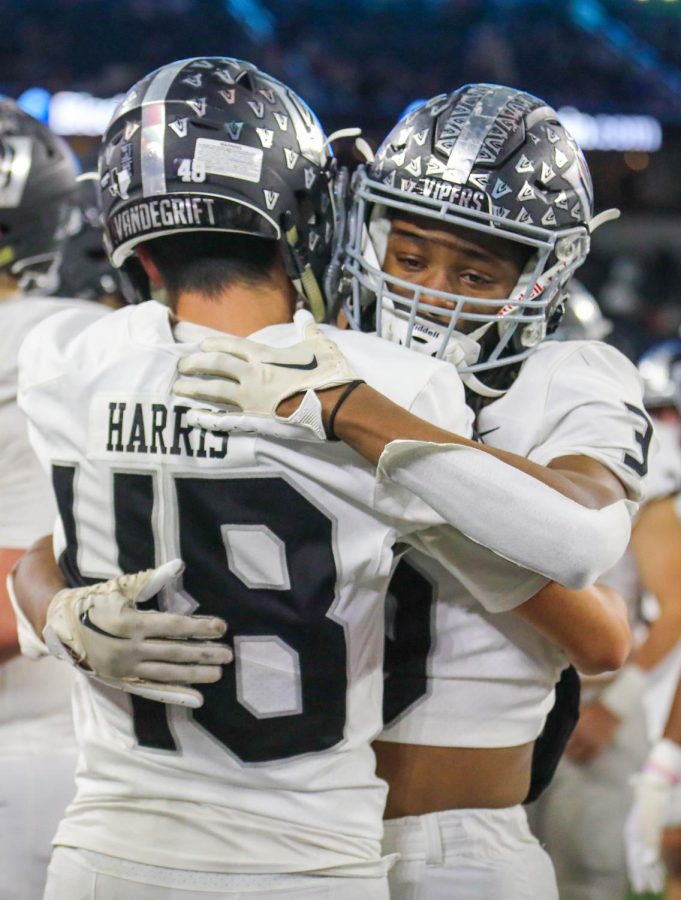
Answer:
(209, 420)
(179, 674)
(171, 626)
(208, 391)
(187, 652)
(223, 364)
(176, 694)
(159, 578)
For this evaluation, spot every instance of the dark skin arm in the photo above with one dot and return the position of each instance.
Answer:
(9, 644)
(37, 578)
(591, 626)
(367, 421)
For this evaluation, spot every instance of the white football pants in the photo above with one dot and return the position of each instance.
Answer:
(580, 818)
(82, 875)
(35, 788)
(468, 854)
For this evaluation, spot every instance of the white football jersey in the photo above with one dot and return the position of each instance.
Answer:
(292, 542)
(663, 480)
(34, 697)
(457, 676)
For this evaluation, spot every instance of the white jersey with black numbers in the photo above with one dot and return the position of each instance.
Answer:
(457, 675)
(662, 480)
(292, 543)
(35, 704)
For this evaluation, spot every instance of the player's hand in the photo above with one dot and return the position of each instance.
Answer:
(253, 380)
(153, 654)
(653, 809)
(595, 729)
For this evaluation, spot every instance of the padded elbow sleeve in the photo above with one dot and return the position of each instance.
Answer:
(511, 513)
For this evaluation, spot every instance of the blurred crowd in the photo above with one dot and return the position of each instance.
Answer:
(406, 50)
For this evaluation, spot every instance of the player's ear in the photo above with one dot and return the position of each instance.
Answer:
(149, 266)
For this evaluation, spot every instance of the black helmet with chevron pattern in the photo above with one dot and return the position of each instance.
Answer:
(37, 197)
(487, 158)
(211, 144)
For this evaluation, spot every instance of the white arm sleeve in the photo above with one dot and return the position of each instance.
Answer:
(510, 512)
(30, 644)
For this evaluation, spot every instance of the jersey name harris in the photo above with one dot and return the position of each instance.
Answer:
(150, 427)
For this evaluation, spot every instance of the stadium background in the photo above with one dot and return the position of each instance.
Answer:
(611, 67)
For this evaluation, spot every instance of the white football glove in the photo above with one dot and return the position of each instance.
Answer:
(253, 379)
(649, 815)
(145, 652)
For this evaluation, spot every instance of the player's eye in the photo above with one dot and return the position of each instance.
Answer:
(411, 263)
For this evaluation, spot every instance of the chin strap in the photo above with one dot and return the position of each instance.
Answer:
(464, 350)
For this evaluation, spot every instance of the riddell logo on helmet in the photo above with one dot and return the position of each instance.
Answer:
(421, 329)
(154, 215)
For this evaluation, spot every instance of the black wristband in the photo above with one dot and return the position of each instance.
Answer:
(349, 388)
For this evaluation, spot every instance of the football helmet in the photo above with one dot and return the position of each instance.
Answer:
(581, 319)
(37, 196)
(487, 158)
(215, 144)
(85, 270)
(660, 371)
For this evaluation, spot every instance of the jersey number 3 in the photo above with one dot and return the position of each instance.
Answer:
(286, 692)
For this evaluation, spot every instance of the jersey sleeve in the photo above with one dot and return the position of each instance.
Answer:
(594, 407)
(664, 476)
(27, 510)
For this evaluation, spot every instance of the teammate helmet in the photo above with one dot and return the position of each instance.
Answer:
(214, 144)
(37, 194)
(660, 371)
(85, 270)
(581, 319)
(491, 159)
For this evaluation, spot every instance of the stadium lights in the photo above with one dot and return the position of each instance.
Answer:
(607, 132)
(71, 113)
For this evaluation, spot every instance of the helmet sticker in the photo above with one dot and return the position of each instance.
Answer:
(230, 160)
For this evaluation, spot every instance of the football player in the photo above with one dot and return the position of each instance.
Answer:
(654, 569)
(463, 234)
(653, 832)
(37, 746)
(581, 817)
(216, 183)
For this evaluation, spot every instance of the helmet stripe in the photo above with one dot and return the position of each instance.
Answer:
(478, 125)
(153, 130)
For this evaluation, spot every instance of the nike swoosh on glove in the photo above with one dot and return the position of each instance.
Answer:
(253, 379)
(153, 654)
